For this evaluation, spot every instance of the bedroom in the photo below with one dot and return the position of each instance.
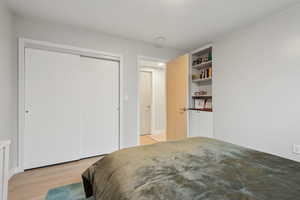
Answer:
(255, 79)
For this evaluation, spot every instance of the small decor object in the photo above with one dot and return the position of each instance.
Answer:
(199, 61)
(207, 73)
(210, 72)
(208, 104)
(202, 59)
(196, 94)
(195, 76)
(202, 92)
(202, 74)
(210, 56)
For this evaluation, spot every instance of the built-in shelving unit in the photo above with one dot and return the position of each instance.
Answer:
(200, 93)
(201, 80)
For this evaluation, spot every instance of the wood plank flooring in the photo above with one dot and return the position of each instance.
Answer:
(34, 184)
(159, 137)
(146, 139)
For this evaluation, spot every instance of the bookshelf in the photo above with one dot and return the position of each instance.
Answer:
(201, 68)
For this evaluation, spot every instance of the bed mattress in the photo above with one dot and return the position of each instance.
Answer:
(192, 169)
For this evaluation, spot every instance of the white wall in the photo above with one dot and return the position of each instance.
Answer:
(256, 85)
(64, 34)
(8, 79)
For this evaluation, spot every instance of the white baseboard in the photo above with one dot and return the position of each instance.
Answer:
(13, 172)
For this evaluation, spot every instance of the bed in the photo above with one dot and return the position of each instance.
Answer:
(192, 169)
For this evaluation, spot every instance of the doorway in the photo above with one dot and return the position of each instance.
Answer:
(145, 102)
(152, 101)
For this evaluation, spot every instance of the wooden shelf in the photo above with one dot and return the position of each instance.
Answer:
(202, 109)
(202, 97)
(201, 80)
(203, 65)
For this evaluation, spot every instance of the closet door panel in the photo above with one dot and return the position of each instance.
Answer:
(99, 106)
(52, 122)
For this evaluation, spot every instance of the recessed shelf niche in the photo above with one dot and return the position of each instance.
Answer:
(201, 69)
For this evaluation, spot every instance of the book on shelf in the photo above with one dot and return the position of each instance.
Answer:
(200, 103)
(203, 103)
(203, 74)
(202, 59)
(208, 104)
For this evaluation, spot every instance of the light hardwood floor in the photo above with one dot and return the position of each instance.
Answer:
(146, 139)
(34, 184)
(159, 137)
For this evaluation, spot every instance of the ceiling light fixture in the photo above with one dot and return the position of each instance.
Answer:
(159, 41)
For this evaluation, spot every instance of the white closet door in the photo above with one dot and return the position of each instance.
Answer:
(52, 123)
(99, 106)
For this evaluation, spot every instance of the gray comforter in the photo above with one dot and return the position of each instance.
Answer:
(192, 169)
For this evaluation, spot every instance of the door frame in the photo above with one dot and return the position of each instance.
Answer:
(139, 59)
(49, 46)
